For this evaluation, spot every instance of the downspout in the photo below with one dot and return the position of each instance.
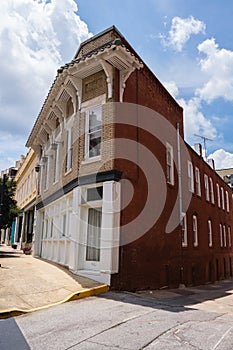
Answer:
(180, 199)
(137, 131)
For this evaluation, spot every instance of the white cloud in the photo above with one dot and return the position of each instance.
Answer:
(10, 145)
(172, 88)
(218, 66)
(181, 30)
(194, 120)
(36, 37)
(222, 159)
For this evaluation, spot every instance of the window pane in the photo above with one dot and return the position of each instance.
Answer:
(94, 144)
(93, 234)
(95, 193)
(94, 119)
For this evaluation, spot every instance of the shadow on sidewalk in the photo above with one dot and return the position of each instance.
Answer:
(175, 300)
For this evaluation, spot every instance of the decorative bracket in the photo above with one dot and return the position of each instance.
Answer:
(109, 74)
(77, 82)
(124, 75)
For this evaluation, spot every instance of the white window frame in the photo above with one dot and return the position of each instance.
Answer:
(56, 163)
(184, 239)
(222, 198)
(211, 191)
(218, 195)
(195, 231)
(221, 235)
(69, 149)
(227, 202)
(46, 173)
(190, 177)
(87, 133)
(224, 236)
(198, 181)
(207, 190)
(170, 164)
(210, 234)
(229, 236)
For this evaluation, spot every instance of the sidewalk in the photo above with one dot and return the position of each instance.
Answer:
(28, 284)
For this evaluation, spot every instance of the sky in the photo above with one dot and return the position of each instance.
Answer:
(187, 44)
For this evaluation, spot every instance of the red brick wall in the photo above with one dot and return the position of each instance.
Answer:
(156, 258)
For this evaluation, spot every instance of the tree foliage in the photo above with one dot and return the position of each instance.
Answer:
(9, 209)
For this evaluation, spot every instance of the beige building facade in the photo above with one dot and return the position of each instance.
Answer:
(79, 193)
(26, 193)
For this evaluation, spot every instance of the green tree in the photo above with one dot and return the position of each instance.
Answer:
(8, 209)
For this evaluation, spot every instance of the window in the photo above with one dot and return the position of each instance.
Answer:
(46, 173)
(69, 108)
(93, 234)
(69, 155)
(229, 236)
(195, 233)
(190, 177)
(170, 164)
(218, 196)
(207, 192)
(223, 199)
(45, 228)
(211, 191)
(94, 193)
(184, 231)
(224, 236)
(210, 233)
(198, 183)
(64, 225)
(51, 228)
(221, 236)
(227, 202)
(56, 164)
(93, 132)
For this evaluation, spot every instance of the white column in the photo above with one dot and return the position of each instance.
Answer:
(38, 234)
(110, 233)
(74, 225)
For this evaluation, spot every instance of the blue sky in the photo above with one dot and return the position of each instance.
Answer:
(187, 44)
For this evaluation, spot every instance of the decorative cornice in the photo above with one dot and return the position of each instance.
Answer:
(111, 175)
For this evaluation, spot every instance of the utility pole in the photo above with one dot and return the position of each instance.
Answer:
(204, 143)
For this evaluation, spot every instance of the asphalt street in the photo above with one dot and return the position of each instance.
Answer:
(194, 318)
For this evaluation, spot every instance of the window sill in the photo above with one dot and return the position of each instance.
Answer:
(68, 172)
(91, 160)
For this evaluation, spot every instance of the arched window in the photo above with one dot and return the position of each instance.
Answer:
(69, 108)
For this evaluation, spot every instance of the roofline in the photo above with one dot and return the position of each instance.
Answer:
(231, 168)
(97, 36)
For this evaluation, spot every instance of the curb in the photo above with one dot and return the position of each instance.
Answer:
(84, 293)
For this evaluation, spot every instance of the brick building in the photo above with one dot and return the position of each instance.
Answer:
(122, 198)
